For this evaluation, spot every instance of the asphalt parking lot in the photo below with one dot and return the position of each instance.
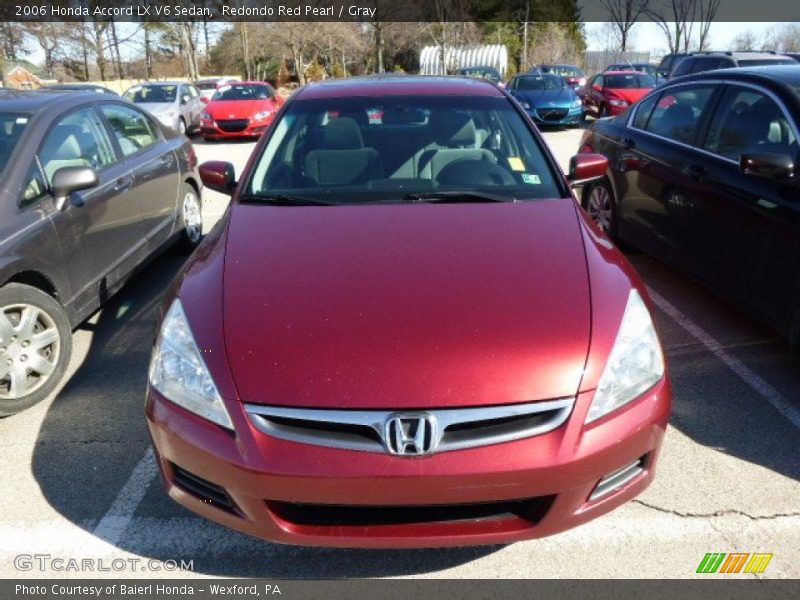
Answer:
(79, 478)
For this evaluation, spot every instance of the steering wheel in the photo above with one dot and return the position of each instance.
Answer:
(474, 172)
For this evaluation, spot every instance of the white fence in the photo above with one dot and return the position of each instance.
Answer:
(458, 57)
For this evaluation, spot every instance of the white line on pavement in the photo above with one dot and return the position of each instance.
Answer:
(119, 515)
(745, 373)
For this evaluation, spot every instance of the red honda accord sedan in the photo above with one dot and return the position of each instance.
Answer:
(405, 332)
(243, 109)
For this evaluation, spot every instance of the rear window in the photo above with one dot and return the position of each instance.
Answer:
(378, 150)
(207, 85)
(11, 127)
(564, 71)
(152, 94)
(621, 82)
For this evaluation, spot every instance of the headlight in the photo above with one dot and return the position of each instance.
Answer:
(576, 103)
(636, 362)
(178, 372)
(618, 103)
(525, 105)
(262, 115)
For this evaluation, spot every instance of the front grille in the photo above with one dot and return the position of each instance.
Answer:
(202, 489)
(234, 125)
(551, 114)
(444, 429)
(331, 515)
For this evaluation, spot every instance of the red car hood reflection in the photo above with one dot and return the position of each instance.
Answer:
(406, 306)
(631, 95)
(238, 109)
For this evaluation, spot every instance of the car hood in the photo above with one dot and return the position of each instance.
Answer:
(405, 306)
(630, 95)
(156, 108)
(237, 109)
(539, 98)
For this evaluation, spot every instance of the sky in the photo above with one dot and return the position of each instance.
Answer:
(646, 36)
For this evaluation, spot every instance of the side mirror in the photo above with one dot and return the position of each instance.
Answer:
(597, 87)
(584, 168)
(185, 99)
(219, 176)
(767, 166)
(72, 179)
(204, 100)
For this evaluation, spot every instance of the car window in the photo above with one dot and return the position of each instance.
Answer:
(748, 121)
(11, 127)
(678, 112)
(643, 111)
(540, 82)
(684, 67)
(76, 140)
(629, 81)
(133, 130)
(705, 63)
(335, 151)
(192, 91)
(244, 92)
(35, 186)
(598, 80)
(765, 62)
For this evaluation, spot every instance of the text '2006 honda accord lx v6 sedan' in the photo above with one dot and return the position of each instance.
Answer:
(405, 332)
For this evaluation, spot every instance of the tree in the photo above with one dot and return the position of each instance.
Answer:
(624, 15)
(50, 37)
(677, 19)
(705, 11)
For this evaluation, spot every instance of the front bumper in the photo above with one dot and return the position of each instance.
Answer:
(310, 495)
(547, 116)
(249, 129)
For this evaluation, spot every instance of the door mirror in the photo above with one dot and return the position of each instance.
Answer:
(219, 176)
(204, 100)
(767, 166)
(72, 179)
(597, 87)
(185, 99)
(584, 168)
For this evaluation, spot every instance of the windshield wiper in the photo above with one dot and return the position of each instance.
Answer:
(284, 200)
(456, 197)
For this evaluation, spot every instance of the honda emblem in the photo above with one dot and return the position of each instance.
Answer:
(410, 434)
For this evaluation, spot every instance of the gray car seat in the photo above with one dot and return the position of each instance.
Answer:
(342, 158)
(455, 139)
(63, 149)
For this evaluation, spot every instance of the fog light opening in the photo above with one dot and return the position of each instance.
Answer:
(618, 479)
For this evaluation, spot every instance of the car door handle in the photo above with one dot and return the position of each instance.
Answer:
(123, 183)
(166, 160)
(696, 172)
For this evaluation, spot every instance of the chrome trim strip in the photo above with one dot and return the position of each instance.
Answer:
(373, 422)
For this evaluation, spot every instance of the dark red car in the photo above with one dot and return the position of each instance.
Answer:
(405, 333)
(240, 110)
(612, 92)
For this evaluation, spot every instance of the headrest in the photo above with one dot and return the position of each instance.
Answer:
(453, 129)
(63, 144)
(342, 133)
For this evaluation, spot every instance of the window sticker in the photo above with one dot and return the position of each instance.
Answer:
(531, 179)
(516, 164)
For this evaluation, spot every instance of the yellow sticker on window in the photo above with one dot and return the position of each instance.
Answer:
(516, 164)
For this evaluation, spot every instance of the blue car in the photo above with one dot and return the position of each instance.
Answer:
(547, 98)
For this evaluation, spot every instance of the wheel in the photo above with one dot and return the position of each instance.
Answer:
(181, 126)
(191, 219)
(35, 346)
(598, 202)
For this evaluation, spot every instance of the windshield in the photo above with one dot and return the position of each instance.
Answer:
(244, 92)
(540, 82)
(152, 93)
(622, 82)
(482, 72)
(563, 70)
(378, 150)
(11, 127)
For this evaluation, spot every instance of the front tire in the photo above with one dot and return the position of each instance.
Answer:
(35, 346)
(191, 218)
(598, 202)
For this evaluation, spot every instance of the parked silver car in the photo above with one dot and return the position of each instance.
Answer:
(176, 104)
(209, 87)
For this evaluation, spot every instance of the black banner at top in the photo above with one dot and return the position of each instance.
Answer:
(388, 10)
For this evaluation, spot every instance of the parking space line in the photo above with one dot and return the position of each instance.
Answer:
(120, 513)
(745, 373)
